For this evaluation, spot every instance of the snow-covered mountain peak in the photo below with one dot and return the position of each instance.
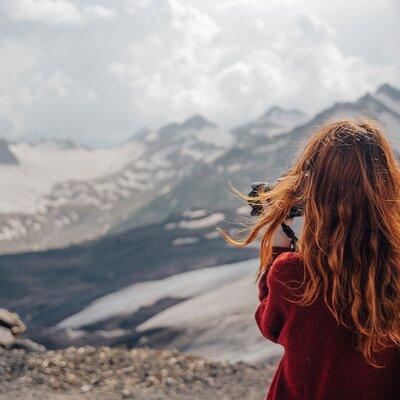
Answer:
(283, 119)
(275, 121)
(196, 129)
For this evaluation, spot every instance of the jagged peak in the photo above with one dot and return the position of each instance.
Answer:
(389, 90)
(197, 121)
(370, 99)
(367, 97)
(278, 111)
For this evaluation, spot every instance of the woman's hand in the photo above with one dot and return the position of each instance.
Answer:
(280, 239)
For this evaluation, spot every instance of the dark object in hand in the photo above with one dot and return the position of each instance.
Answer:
(257, 208)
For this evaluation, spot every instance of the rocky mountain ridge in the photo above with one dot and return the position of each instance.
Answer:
(264, 158)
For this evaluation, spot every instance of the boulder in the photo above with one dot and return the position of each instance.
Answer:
(11, 327)
(11, 321)
(6, 337)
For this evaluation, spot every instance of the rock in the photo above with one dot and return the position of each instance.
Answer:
(126, 394)
(86, 388)
(6, 336)
(11, 321)
(28, 345)
(11, 326)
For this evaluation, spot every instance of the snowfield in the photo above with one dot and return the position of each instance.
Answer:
(219, 323)
(49, 179)
(43, 165)
(128, 300)
(216, 316)
(189, 213)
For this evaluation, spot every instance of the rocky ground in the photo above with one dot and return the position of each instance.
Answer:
(104, 373)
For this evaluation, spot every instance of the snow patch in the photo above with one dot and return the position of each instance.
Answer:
(212, 235)
(202, 222)
(170, 226)
(185, 240)
(195, 213)
(219, 323)
(129, 299)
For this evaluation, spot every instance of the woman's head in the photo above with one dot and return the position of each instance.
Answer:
(348, 181)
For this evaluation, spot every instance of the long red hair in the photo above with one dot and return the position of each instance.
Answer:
(348, 180)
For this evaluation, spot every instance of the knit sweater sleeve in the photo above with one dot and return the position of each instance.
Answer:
(273, 293)
(262, 283)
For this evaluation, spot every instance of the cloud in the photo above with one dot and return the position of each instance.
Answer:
(54, 11)
(231, 69)
(106, 68)
(15, 87)
(99, 11)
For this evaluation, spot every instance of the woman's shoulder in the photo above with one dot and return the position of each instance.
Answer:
(287, 259)
(288, 256)
(287, 266)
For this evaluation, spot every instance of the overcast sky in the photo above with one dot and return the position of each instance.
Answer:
(98, 70)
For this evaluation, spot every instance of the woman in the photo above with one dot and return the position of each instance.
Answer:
(334, 302)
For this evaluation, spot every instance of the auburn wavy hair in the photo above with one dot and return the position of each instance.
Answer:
(348, 180)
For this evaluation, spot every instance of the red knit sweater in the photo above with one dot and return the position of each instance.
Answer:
(319, 361)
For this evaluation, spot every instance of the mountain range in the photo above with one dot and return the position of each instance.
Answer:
(118, 246)
(58, 193)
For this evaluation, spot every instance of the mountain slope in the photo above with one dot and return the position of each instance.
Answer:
(59, 196)
(46, 287)
(273, 122)
(262, 159)
(389, 96)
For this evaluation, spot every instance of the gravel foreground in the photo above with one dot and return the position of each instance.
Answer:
(103, 373)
